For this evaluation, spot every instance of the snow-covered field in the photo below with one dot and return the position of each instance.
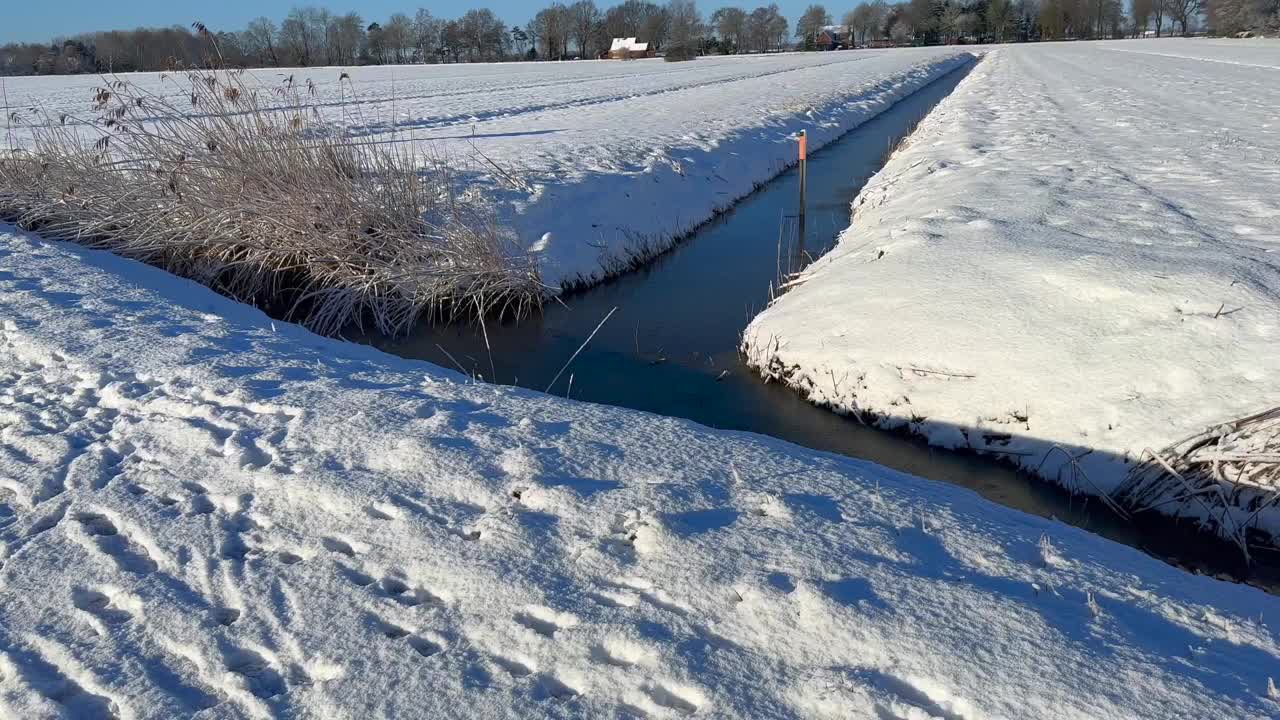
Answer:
(206, 514)
(1079, 248)
(612, 160)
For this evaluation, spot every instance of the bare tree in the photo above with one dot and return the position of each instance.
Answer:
(399, 37)
(656, 26)
(684, 30)
(584, 21)
(1159, 10)
(485, 35)
(302, 34)
(949, 23)
(730, 24)
(811, 23)
(453, 41)
(850, 24)
(550, 30)
(260, 39)
(1235, 16)
(346, 34)
(1184, 12)
(999, 17)
(767, 28)
(426, 35)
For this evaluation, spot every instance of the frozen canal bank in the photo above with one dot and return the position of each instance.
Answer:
(1076, 249)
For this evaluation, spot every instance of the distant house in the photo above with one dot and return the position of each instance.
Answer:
(629, 49)
(832, 37)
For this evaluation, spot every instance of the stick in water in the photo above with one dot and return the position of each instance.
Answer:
(580, 348)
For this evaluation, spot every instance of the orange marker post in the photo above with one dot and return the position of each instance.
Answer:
(803, 169)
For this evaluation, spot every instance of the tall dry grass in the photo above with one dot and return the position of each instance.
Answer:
(245, 188)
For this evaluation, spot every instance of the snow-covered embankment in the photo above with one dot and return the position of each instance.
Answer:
(655, 168)
(1075, 250)
(205, 514)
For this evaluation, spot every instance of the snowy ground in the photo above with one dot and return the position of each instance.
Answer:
(617, 158)
(1077, 248)
(206, 514)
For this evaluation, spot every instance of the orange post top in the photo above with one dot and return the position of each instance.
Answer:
(803, 145)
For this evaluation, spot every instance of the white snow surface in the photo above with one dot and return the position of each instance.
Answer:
(207, 514)
(613, 160)
(1078, 248)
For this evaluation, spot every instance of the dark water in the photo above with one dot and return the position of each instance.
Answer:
(671, 346)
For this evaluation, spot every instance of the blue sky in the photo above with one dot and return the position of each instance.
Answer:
(39, 20)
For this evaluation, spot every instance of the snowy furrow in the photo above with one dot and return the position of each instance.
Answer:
(1075, 256)
(206, 514)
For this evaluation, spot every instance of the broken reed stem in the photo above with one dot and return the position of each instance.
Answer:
(580, 348)
(9, 114)
(1219, 474)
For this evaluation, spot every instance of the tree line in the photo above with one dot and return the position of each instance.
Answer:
(310, 35)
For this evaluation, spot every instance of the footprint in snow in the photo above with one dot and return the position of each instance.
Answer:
(544, 620)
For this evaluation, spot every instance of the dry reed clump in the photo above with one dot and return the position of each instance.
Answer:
(243, 188)
(1227, 475)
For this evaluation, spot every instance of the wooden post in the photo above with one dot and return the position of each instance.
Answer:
(804, 162)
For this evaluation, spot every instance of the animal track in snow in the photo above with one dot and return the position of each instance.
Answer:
(391, 630)
(423, 646)
(246, 451)
(544, 620)
(459, 510)
(397, 589)
(660, 598)
(683, 699)
(129, 556)
(622, 652)
(45, 676)
(107, 605)
(259, 676)
(226, 616)
(355, 576)
(336, 545)
(616, 599)
(515, 668)
(654, 596)
(200, 502)
(549, 686)
(289, 558)
(380, 511)
(48, 522)
(236, 526)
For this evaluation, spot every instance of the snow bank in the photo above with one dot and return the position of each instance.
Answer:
(1076, 251)
(610, 161)
(203, 513)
